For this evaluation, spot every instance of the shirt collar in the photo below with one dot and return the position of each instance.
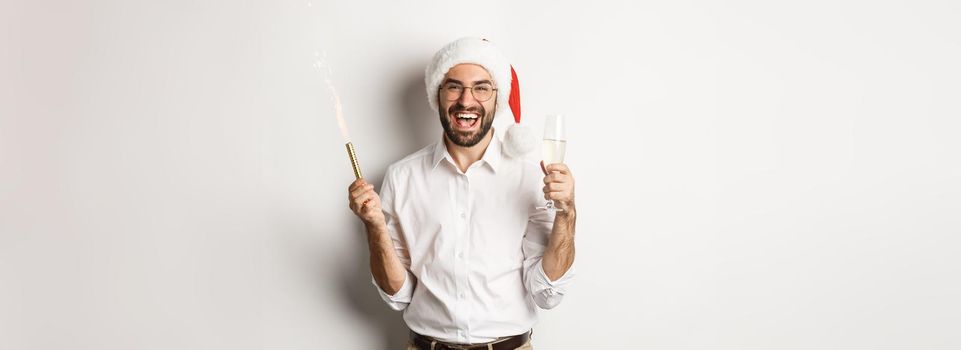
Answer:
(492, 156)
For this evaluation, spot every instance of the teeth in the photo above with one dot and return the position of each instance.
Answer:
(467, 116)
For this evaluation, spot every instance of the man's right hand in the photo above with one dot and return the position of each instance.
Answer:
(365, 203)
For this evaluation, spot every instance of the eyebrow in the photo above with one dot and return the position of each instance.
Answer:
(449, 80)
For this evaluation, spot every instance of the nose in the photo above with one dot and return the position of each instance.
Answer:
(466, 97)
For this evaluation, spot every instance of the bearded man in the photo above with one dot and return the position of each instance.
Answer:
(456, 239)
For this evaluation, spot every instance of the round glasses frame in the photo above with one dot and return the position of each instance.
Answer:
(473, 93)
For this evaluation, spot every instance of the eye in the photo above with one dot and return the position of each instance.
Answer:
(453, 87)
(484, 88)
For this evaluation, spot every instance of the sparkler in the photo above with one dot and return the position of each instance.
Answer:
(351, 152)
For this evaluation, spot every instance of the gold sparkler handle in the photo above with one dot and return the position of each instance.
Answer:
(353, 160)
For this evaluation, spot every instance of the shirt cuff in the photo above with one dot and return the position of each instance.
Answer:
(399, 300)
(548, 294)
(560, 283)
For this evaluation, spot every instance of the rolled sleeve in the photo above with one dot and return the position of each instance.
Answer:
(546, 293)
(401, 299)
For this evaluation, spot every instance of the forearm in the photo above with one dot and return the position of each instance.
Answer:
(385, 266)
(559, 255)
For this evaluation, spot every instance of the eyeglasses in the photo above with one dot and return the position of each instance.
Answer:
(481, 92)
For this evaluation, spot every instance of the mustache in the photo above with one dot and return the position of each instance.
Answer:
(461, 109)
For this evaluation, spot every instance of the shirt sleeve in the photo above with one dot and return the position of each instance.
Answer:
(402, 298)
(546, 293)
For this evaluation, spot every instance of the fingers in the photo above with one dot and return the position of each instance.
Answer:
(558, 183)
(361, 189)
(558, 178)
(362, 195)
(560, 196)
(372, 203)
(558, 173)
(557, 167)
(354, 185)
(365, 203)
(554, 187)
(558, 190)
(555, 177)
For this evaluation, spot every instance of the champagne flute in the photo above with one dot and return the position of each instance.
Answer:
(555, 144)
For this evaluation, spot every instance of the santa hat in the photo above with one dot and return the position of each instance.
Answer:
(518, 140)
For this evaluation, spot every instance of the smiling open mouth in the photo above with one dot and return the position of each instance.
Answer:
(466, 120)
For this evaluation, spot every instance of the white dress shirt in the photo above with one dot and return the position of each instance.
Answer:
(472, 243)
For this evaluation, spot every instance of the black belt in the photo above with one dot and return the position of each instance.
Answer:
(510, 343)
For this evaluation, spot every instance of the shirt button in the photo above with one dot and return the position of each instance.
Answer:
(462, 295)
(460, 255)
(463, 215)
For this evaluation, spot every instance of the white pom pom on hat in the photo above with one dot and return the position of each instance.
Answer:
(519, 140)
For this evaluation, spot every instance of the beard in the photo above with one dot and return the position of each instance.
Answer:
(463, 138)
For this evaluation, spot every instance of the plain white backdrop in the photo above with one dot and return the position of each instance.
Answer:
(750, 175)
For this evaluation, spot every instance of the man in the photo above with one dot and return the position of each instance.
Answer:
(456, 239)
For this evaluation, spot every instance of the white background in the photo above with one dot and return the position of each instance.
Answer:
(749, 175)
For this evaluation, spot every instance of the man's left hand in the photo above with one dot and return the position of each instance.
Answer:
(559, 185)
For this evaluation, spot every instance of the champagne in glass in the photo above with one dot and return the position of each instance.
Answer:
(554, 151)
(555, 144)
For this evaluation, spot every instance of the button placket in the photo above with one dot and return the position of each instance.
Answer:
(468, 207)
(460, 268)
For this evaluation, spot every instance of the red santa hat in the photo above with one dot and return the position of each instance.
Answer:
(518, 139)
